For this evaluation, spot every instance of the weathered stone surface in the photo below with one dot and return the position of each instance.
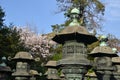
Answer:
(52, 72)
(103, 51)
(33, 72)
(116, 60)
(51, 64)
(77, 33)
(21, 69)
(23, 55)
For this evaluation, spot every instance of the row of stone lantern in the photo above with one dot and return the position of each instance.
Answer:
(103, 55)
(106, 61)
(22, 71)
(74, 64)
(106, 64)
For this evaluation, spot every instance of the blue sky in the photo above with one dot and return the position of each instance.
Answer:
(40, 14)
(112, 17)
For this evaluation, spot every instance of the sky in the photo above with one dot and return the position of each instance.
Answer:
(40, 15)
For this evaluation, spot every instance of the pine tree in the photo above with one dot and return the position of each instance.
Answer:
(2, 14)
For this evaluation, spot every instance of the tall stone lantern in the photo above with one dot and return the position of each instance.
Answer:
(74, 38)
(23, 60)
(103, 60)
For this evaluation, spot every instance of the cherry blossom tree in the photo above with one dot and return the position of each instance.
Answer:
(38, 45)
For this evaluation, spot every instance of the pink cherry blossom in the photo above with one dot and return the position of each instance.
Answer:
(37, 44)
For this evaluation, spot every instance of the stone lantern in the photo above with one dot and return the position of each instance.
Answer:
(62, 76)
(5, 71)
(103, 60)
(52, 73)
(33, 74)
(74, 38)
(23, 60)
(116, 73)
(91, 76)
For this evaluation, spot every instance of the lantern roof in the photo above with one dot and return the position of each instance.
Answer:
(5, 69)
(78, 33)
(23, 56)
(21, 74)
(116, 60)
(103, 49)
(51, 64)
(91, 74)
(34, 72)
(74, 31)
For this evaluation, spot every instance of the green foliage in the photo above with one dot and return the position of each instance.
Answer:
(88, 78)
(2, 14)
(92, 46)
(90, 70)
(10, 43)
(41, 69)
(57, 28)
(57, 52)
(57, 56)
(59, 71)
